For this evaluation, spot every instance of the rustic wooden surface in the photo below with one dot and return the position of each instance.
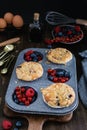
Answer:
(79, 119)
(36, 122)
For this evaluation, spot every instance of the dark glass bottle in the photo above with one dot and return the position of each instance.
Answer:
(35, 29)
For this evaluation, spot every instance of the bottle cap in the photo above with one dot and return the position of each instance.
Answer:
(36, 16)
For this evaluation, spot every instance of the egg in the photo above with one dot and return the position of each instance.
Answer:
(17, 21)
(3, 24)
(8, 17)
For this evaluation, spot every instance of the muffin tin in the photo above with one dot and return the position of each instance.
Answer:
(39, 106)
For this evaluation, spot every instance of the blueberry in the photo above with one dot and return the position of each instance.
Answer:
(36, 53)
(49, 46)
(15, 128)
(50, 77)
(60, 72)
(21, 103)
(18, 124)
(67, 74)
(60, 34)
(35, 59)
(14, 97)
(16, 101)
(33, 55)
(26, 87)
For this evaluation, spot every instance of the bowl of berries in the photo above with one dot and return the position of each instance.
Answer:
(67, 34)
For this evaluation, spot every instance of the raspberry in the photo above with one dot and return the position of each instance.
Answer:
(63, 80)
(30, 92)
(17, 88)
(55, 79)
(39, 58)
(23, 95)
(28, 52)
(19, 96)
(53, 73)
(77, 28)
(17, 92)
(49, 71)
(27, 58)
(57, 29)
(6, 124)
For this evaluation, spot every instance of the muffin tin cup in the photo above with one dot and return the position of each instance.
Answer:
(39, 106)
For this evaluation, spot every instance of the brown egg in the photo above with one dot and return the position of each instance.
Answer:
(8, 17)
(17, 21)
(3, 24)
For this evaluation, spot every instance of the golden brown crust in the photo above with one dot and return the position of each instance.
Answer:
(29, 71)
(59, 55)
(58, 95)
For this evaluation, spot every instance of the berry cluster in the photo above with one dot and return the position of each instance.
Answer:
(18, 125)
(24, 95)
(33, 56)
(65, 34)
(58, 75)
(7, 125)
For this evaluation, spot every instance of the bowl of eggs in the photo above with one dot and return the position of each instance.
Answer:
(12, 20)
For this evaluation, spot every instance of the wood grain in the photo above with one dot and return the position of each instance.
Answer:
(10, 41)
(36, 121)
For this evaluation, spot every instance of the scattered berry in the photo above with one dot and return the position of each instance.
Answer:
(57, 29)
(18, 124)
(77, 28)
(15, 128)
(6, 124)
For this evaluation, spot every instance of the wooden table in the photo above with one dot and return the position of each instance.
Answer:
(79, 119)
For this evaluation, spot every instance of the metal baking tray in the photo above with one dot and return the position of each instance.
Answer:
(39, 107)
